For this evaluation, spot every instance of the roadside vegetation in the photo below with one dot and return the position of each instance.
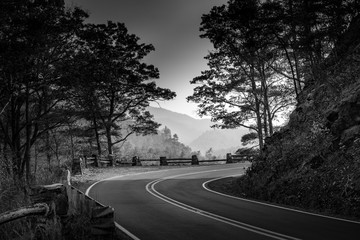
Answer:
(312, 161)
(68, 88)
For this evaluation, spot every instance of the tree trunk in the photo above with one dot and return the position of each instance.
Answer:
(15, 141)
(72, 143)
(35, 158)
(257, 109)
(36, 209)
(97, 135)
(109, 140)
(48, 149)
(28, 135)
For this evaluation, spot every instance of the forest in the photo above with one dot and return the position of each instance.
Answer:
(69, 88)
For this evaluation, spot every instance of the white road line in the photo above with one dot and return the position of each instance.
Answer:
(121, 228)
(268, 204)
(132, 236)
(150, 187)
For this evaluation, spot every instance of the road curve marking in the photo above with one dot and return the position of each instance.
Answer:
(150, 187)
(204, 185)
(121, 228)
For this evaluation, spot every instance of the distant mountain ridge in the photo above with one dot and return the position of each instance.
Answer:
(196, 133)
(186, 127)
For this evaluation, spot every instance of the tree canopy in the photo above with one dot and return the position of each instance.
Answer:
(265, 53)
(61, 76)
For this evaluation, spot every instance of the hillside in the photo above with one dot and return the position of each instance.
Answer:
(196, 133)
(314, 161)
(186, 127)
(218, 139)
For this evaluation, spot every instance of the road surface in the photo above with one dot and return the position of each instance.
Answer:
(176, 204)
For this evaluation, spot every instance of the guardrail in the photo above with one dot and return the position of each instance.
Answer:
(164, 161)
(63, 200)
(96, 161)
(101, 216)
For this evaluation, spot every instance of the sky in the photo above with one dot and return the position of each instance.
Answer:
(172, 26)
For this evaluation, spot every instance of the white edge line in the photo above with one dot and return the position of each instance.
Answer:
(213, 216)
(121, 176)
(271, 205)
(124, 230)
(121, 228)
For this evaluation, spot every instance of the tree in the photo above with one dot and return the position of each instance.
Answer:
(264, 51)
(241, 88)
(305, 33)
(114, 85)
(35, 38)
(209, 154)
(157, 145)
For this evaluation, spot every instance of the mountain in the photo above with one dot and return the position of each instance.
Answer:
(197, 133)
(218, 139)
(186, 127)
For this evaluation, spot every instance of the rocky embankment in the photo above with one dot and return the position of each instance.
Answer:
(314, 161)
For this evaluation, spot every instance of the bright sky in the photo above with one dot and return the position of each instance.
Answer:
(172, 26)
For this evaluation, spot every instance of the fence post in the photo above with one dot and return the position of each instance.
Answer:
(163, 161)
(194, 160)
(76, 166)
(111, 159)
(85, 159)
(96, 163)
(229, 158)
(136, 161)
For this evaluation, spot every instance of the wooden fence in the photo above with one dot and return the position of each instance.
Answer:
(230, 158)
(96, 161)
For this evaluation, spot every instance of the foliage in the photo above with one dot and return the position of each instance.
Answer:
(249, 138)
(313, 162)
(113, 85)
(35, 39)
(242, 87)
(265, 53)
(155, 146)
(68, 85)
(65, 85)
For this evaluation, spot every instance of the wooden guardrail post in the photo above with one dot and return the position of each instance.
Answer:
(54, 195)
(111, 159)
(163, 161)
(136, 161)
(194, 160)
(229, 158)
(76, 166)
(96, 160)
(85, 160)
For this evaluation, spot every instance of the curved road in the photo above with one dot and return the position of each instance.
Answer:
(175, 204)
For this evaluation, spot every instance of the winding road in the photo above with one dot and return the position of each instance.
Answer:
(176, 204)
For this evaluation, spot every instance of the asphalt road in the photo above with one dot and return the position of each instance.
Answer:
(175, 204)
